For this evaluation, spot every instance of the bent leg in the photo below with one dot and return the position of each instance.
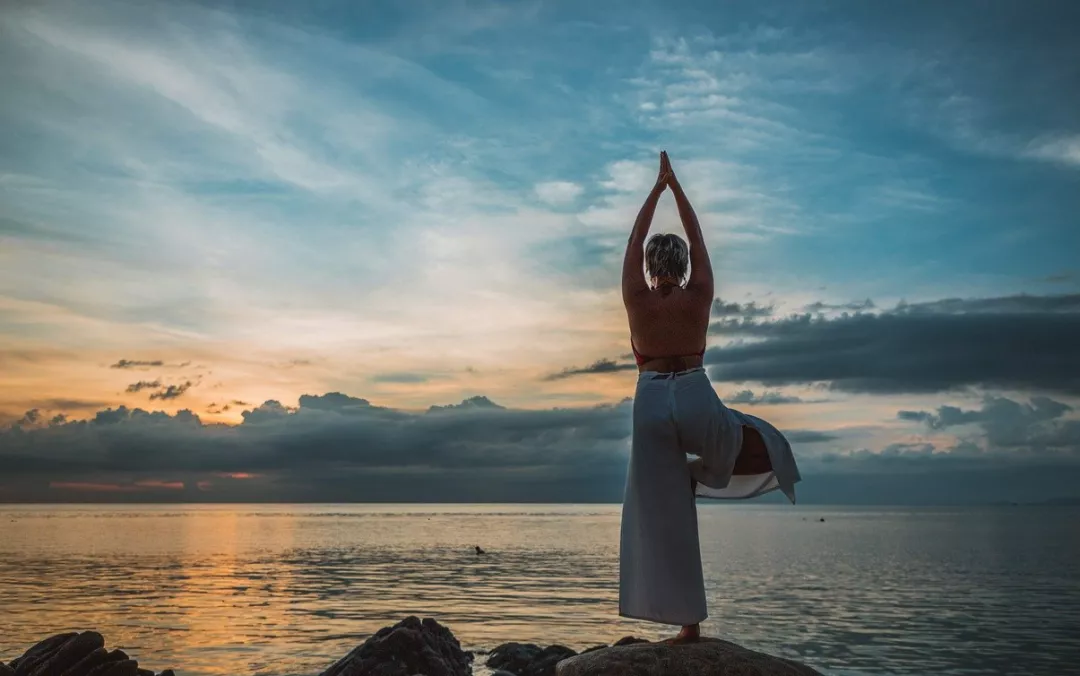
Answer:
(753, 456)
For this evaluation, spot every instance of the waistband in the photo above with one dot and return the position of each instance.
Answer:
(657, 375)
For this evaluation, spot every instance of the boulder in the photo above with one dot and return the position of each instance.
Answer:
(73, 654)
(512, 657)
(527, 659)
(706, 657)
(409, 647)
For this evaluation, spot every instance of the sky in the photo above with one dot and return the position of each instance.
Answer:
(338, 251)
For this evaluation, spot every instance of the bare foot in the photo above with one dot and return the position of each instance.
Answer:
(689, 634)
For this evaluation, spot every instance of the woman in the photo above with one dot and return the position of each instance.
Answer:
(678, 414)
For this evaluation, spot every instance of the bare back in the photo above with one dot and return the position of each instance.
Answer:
(668, 326)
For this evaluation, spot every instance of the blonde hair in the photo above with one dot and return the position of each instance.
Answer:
(667, 255)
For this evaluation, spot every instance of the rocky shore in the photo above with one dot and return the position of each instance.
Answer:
(415, 646)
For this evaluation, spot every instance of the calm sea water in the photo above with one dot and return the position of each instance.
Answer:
(288, 589)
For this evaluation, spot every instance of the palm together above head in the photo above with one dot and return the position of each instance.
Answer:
(667, 175)
(701, 275)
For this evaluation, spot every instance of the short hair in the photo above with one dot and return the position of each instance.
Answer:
(666, 255)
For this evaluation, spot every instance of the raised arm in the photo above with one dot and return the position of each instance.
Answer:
(701, 272)
(633, 277)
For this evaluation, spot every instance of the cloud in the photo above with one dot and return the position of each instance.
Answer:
(89, 486)
(136, 363)
(809, 436)
(477, 403)
(1021, 342)
(854, 306)
(157, 483)
(171, 392)
(338, 447)
(598, 366)
(748, 397)
(558, 193)
(400, 377)
(1006, 424)
(722, 309)
(143, 385)
(68, 404)
(333, 445)
(31, 418)
(1063, 149)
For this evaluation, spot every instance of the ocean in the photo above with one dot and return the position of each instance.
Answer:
(280, 590)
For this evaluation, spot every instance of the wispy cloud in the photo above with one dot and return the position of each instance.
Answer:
(136, 363)
(599, 366)
(171, 391)
(767, 397)
(1062, 149)
(143, 385)
(558, 192)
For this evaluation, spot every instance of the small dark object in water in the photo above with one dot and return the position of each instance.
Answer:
(822, 519)
(479, 551)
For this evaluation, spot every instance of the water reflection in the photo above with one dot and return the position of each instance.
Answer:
(288, 589)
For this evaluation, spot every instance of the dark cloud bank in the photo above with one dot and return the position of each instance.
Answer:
(1015, 342)
(336, 447)
(1018, 342)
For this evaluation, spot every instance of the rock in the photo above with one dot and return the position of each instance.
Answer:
(501, 672)
(707, 657)
(52, 657)
(629, 640)
(409, 647)
(72, 654)
(527, 659)
(513, 657)
(116, 668)
(91, 660)
(40, 650)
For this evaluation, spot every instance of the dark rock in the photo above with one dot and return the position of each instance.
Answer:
(407, 648)
(629, 640)
(68, 654)
(513, 657)
(39, 651)
(119, 668)
(595, 647)
(502, 672)
(167, 672)
(544, 664)
(5, 670)
(91, 660)
(527, 659)
(144, 672)
(74, 654)
(707, 657)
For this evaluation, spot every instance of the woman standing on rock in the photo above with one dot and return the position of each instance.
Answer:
(678, 414)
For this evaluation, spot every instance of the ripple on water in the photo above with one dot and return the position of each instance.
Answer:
(278, 590)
